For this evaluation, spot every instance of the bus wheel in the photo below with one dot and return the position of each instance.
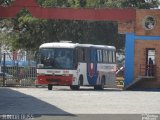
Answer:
(96, 87)
(50, 86)
(101, 86)
(74, 87)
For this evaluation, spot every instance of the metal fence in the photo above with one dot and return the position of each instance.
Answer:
(17, 72)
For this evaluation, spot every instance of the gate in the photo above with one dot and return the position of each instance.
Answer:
(17, 70)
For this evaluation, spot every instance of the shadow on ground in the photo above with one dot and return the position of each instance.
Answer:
(15, 103)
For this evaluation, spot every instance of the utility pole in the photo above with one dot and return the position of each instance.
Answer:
(4, 68)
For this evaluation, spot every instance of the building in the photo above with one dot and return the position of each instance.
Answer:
(141, 45)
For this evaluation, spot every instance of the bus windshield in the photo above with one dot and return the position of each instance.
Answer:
(55, 58)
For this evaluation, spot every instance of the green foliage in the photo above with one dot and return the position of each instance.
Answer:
(25, 26)
(6, 2)
(6, 34)
(141, 4)
(29, 32)
(100, 3)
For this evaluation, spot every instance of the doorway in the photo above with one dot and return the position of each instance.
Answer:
(150, 61)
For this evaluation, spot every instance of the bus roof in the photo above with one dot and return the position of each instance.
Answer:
(73, 45)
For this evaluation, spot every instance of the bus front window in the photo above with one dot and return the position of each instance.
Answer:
(56, 58)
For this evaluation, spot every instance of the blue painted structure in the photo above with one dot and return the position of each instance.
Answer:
(129, 55)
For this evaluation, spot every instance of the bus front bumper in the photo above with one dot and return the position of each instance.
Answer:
(55, 80)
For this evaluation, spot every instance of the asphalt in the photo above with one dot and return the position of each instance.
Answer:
(64, 104)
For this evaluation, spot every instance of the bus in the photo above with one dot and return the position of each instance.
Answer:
(75, 65)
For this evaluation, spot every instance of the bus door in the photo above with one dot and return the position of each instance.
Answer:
(82, 61)
(150, 62)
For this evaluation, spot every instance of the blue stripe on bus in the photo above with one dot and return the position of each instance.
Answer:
(92, 73)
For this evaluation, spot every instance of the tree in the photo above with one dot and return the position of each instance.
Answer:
(31, 32)
(141, 4)
(6, 34)
(6, 2)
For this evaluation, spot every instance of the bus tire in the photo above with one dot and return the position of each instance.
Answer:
(80, 82)
(74, 87)
(50, 86)
(101, 86)
(96, 87)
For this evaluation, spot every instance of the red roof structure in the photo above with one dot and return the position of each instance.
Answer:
(67, 13)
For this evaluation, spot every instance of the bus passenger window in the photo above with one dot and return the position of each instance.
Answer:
(82, 54)
(93, 55)
(99, 55)
(114, 56)
(105, 56)
(110, 56)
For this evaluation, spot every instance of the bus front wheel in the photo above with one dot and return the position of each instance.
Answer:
(50, 86)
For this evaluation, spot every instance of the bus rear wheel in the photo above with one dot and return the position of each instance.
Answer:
(74, 87)
(101, 86)
(98, 87)
(50, 86)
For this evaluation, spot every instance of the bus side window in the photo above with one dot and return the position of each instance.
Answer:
(82, 54)
(93, 55)
(99, 55)
(105, 56)
(114, 56)
(110, 56)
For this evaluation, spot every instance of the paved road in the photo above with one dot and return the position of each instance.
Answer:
(39, 103)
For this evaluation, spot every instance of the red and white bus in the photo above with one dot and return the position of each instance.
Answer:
(76, 65)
